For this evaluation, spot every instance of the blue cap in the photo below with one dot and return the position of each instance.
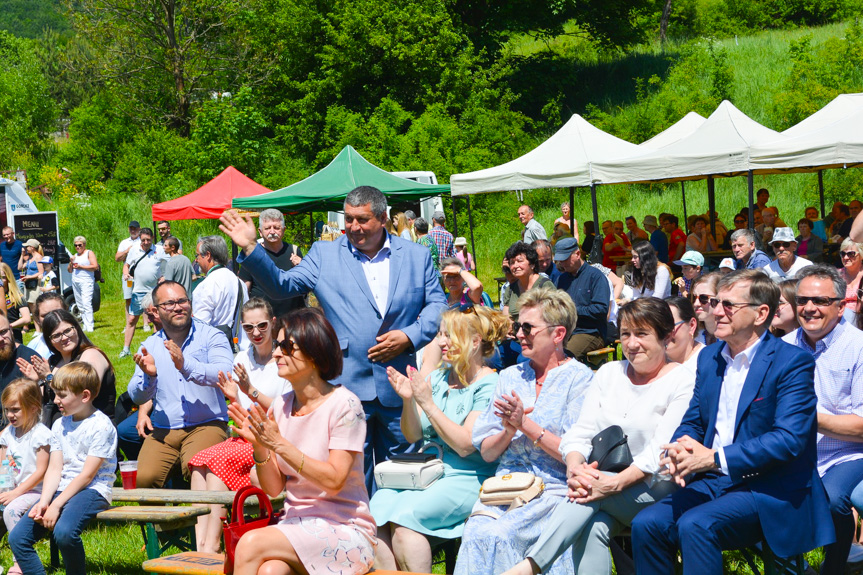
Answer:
(564, 248)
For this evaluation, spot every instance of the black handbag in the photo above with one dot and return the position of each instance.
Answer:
(611, 450)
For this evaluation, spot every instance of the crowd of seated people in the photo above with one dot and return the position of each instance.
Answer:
(739, 399)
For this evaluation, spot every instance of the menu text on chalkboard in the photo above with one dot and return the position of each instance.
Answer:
(40, 225)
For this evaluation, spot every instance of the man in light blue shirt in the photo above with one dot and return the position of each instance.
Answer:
(178, 368)
(746, 256)
(837, 347)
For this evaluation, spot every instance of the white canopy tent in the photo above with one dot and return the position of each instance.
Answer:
(562, 161)
(839, 108)
(684, 127)
(719, 147)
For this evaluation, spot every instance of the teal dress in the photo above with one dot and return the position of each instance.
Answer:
(441, 510)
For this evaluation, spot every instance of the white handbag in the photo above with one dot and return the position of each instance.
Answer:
(410, 470)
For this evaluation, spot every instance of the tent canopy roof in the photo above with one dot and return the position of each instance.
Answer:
(561, 161)
(210, 200)
(682, 128)
(719, 147)
(326, 189)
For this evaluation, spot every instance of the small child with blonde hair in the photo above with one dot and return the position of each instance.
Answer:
(25, 443)
(81, 473)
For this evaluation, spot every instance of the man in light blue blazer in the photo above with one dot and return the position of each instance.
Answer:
(379, 291)
(745, 452)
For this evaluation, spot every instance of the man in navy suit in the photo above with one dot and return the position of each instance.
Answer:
(381, 294)
(745, 452)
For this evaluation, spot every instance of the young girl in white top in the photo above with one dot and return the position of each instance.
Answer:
(25, 443)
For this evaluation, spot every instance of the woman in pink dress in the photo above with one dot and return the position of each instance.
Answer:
(309, 443)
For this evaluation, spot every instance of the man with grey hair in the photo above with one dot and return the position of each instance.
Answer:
(411, 217)
(442, 238)
(533, 230)
(837, 347)
(745, 253)
(145, 271)
(271, 226)
(381, 295)
(218, 300)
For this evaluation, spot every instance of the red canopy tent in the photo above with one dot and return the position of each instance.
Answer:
(210, 200)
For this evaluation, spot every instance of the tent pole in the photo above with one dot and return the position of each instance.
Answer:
(470, 227)
(311, 229)
(454, 219)
(821, 192)
(711, 204)
(596, 252)
(751, 182)
(234, 253)
(685, 217)
(572, 229)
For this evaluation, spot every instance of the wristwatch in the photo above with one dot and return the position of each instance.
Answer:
(716, 461)
(254, 394)
(48, 379)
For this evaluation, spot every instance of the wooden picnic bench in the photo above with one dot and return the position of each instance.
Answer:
(167, 517)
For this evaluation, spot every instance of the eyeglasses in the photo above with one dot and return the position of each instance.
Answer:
(849, 254)
(728, 306)
(66, 333)
(197, 255)
(819, 301)
(261, 327)
(739, 221)
(287, 346)
(785, 245)
(169, 305)
(528, 328)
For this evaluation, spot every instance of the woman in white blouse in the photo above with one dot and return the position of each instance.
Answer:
(682, 347)
(647, 396)
(650, 278)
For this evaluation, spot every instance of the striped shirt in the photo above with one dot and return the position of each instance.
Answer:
(838, 385)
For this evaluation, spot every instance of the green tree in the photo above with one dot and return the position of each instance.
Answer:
(165, 56)
(27, 112)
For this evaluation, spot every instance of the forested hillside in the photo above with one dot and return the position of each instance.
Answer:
(158, 96)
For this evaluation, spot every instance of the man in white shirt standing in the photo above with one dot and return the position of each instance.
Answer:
(129, 247)
(144, 271)
(215, 299)
(745, 452)
(787, 264)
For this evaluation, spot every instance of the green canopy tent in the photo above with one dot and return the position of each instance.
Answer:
(326, 189)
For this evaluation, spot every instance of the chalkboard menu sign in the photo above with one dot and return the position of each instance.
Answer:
(39, 225)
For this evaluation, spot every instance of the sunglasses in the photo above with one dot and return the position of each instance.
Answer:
(703, 299)
(819, 301)
(728, 306)
(850, 254)
(785, 245)
(528, 328)
(251, 327)
(79, 245)
(467, 308)
(287, 346)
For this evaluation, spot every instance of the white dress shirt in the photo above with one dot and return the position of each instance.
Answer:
(377, 271)
(215, 301)
(736, 370)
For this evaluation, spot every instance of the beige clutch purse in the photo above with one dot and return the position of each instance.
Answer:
(512, 489)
